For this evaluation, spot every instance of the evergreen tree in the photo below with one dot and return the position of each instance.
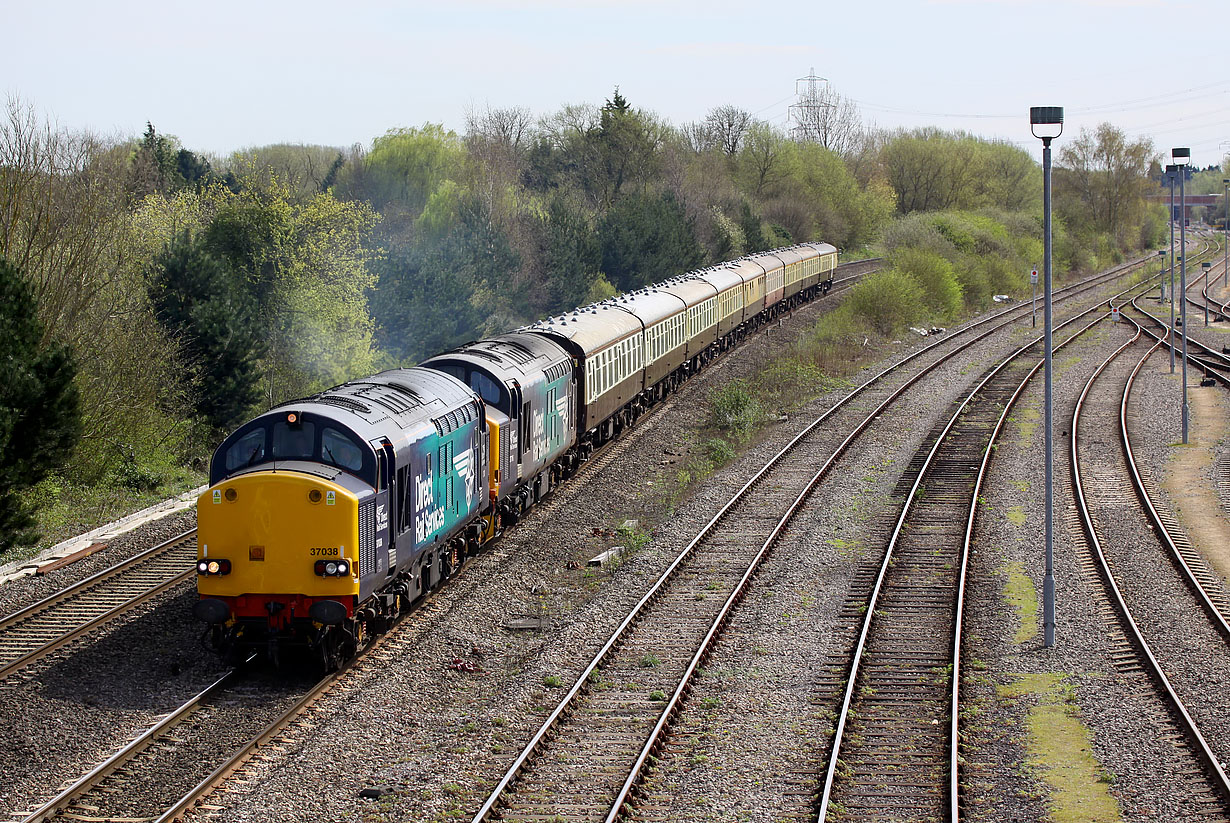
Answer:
(431, 299)
(752, 230)
(198, 301)
(647, 238)
(571, 257)
(40, 419)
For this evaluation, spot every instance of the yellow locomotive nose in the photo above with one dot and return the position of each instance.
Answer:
(277, 533)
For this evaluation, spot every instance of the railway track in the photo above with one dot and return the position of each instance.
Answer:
(1151, 583)
(204, 736)
(895, 749)
(167, 768)
(589, 756)
(68, 615)
(1202, 581)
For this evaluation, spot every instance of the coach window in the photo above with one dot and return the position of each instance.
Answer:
(247, 450)
(293, 442)
(340, 450)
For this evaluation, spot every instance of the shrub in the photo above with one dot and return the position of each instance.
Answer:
(935, 276)
(734, 409)
(888, 300)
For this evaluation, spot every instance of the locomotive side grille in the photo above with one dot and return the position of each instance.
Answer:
(509, 472)
(367, 538)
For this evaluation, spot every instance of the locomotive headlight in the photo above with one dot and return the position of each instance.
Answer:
(230, 495)
(331, 569)
(314, 495)
(213, 567)
(202, 567)
(343, 568)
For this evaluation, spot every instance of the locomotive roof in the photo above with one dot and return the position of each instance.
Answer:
(388, 403)
(516, 352)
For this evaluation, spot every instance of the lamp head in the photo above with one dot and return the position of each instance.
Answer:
(1046, 122)
(1181, 157)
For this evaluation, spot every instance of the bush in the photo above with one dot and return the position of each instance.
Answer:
(935, 276)
(734, 409)
(718, 451)
(888, 300)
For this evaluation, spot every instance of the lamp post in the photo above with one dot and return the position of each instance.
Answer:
(1046, 123)
(1171, 173)
(1181, 158)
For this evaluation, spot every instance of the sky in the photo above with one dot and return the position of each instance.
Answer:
(231, 74)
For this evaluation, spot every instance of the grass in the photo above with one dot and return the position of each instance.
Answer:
(1016, 515)
(1027, 423)
(68, 508)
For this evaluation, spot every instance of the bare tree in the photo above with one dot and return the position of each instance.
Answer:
(510, 127)
(823, 116)
(696, 137)
(727, 126)
(61, 207)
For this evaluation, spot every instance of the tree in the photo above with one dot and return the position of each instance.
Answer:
(65, 223)
(753, 229)
(40, 420)
(647, 238)
(431, 298)
(406, 165)
(1100, 181)
(760, 159)
(726, 127)
(571, 257)
(623, 150)
(929, 169)
(306, 170)
(306, 268)
(823, 116)
(198, 302)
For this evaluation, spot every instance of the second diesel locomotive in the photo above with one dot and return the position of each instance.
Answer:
(326, 517)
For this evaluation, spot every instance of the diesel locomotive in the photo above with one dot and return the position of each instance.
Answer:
(328, 516)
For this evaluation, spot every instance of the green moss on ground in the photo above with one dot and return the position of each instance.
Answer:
(1022, 595)
(1059, 750)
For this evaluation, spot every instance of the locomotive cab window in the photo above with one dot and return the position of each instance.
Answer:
(294, 442)
(340, 450)
(491, 391)
(248, 450)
